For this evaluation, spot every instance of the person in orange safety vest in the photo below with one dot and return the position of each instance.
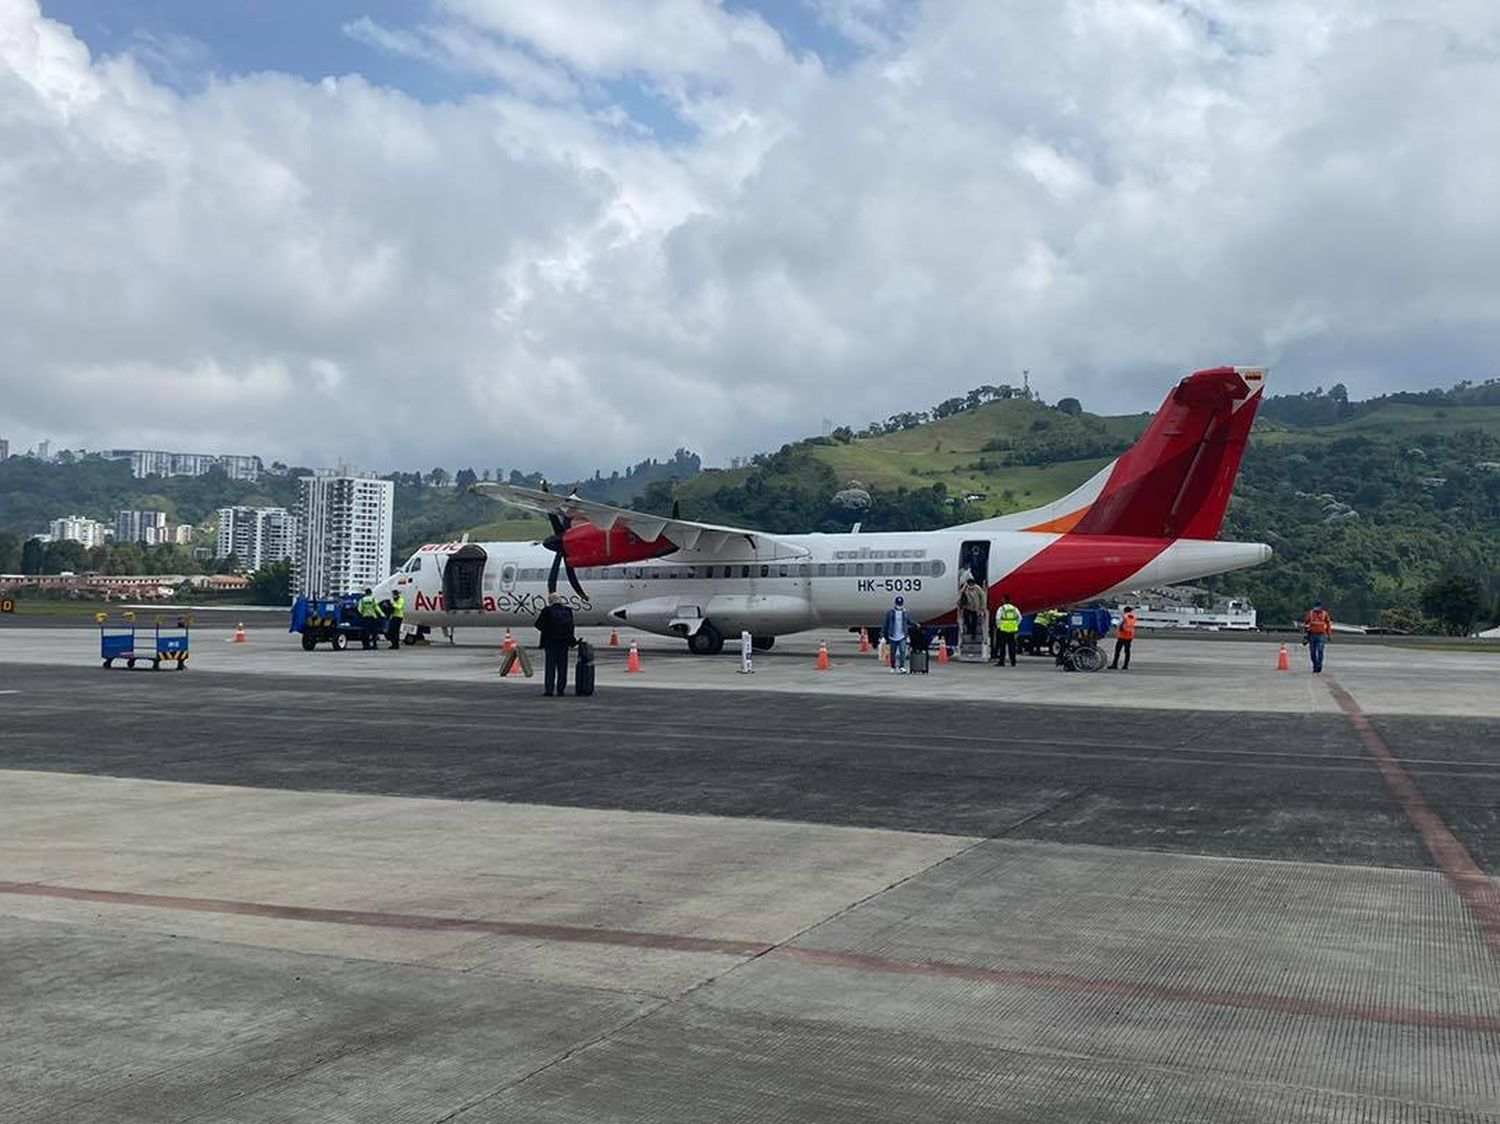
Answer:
(1123, 637)
(1316, 631)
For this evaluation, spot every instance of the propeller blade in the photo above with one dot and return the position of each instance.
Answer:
(557, 561)
(558, 525)
(573, 581)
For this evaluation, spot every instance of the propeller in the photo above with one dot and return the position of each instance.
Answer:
(554, 543)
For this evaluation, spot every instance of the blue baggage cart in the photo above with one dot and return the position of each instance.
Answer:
(125, 642)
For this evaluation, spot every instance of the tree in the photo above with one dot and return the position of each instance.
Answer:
(464, 477)
(437, 477)
(33, 554)
(1457, 600)
(10, 552)
(271, 585)
(1070, 406)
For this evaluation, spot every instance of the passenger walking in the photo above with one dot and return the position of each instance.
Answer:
(393, 622)
(556, 626)
(1317, 629)
(972, 601)
(1123, 636)
(1007, 626)
(369, 620)
(898, 623)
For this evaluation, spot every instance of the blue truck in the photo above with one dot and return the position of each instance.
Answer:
(331, 620)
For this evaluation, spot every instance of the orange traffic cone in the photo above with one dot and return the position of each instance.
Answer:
(633, 661)
(1283, 663)
(239, 633)
(864, 640)
(822, 655)
(614, 637)
(509, 643)
(942, 649)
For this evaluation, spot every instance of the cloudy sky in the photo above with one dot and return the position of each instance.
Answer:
(570, 234)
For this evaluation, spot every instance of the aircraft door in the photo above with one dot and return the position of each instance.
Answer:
(974, 556)
(463, 580)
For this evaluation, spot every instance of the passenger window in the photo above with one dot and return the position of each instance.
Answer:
(508, 573)
(822, 569)
(878, 570)
(937, 569)
(765, 571)
(744, 571)
(781, 571)
(859, 569)
(840, 569)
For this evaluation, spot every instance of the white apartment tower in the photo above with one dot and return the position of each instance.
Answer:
(256, 536)
(343, 534)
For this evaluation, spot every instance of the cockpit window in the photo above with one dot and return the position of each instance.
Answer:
(414, 565)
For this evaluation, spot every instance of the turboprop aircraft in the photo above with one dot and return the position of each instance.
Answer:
(1149, 517)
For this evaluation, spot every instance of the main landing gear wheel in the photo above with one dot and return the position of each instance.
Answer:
(707, 641)
(762, 643)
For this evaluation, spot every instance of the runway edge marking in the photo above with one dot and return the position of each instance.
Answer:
(1477, 890)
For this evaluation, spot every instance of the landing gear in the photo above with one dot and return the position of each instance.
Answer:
(762, 643)
(707, 641)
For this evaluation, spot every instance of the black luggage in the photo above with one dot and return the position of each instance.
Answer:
(583, 678)
(583, 674)
(920, 661)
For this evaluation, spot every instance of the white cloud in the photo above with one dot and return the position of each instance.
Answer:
(1107, 193)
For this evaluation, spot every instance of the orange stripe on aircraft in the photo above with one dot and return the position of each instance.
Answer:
(1061, 525)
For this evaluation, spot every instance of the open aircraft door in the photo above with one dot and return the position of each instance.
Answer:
(463, 580)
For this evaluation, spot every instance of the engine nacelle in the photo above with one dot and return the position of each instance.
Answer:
(587, 545)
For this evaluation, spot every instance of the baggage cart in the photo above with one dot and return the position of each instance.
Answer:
(125, 642)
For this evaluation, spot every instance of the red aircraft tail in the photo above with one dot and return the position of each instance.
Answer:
(1172, 483)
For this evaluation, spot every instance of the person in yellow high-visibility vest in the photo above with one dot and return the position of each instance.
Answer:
(1007, 625)
(393, 621)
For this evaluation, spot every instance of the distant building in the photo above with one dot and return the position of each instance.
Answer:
(156, 462)
(4, 448)
(146, 527)
(343, 540)
(44, 450)
(77, 528)
(256, 536)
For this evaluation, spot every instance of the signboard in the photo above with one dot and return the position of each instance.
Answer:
(747, 654)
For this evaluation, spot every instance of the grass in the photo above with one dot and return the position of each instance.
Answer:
(530, 529)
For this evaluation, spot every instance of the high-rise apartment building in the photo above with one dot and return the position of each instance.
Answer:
(147, 527)
(78, 528)
(256, 536)
(343, 538)
(4, 448)
(155, 462)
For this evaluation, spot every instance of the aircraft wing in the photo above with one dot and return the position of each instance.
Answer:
(683, 533)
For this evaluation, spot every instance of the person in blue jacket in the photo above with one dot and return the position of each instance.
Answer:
(898, 624)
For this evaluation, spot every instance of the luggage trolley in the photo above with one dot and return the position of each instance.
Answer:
(123, 642)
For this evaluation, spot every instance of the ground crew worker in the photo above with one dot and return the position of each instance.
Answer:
(1007, 625)
(393, 622)
(898, 624)
(555, 623)
(369, 619)
(1123, 637)
(1316, 631)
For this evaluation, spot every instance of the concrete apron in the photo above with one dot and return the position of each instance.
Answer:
(1164, 674)
(257, 954)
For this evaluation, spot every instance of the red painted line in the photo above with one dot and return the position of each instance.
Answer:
(1131, 989)
(567, 933)
(1044, 981)
(1479, 892)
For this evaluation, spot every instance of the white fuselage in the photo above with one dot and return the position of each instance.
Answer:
(812, 581)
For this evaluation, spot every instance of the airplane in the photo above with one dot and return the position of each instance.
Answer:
(1149, 517)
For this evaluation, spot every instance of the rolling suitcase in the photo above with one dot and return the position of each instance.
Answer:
(583, 674)
(920, 661)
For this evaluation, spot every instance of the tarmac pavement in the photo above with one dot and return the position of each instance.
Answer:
(388, 886)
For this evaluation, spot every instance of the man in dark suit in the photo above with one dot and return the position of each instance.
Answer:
(556, 626)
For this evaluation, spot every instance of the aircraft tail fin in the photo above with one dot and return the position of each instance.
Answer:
(1172, 483)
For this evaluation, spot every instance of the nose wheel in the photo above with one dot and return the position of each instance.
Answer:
(707, 641)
